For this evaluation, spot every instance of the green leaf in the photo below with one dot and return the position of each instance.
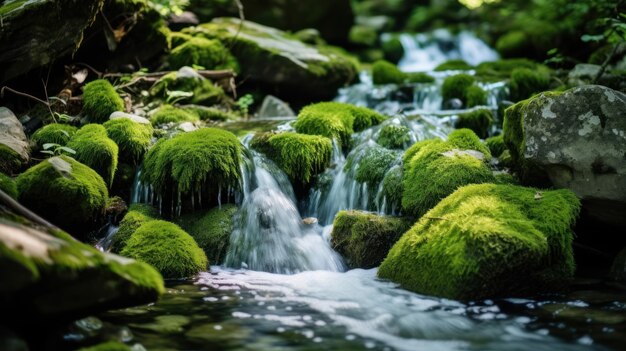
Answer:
(47, 152)
(594, 38)
(67, 149)
(47, 146)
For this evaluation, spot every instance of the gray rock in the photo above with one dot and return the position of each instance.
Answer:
(12, 137)
(274, 107)
(120, 114)
(577, 139)
(583, 73)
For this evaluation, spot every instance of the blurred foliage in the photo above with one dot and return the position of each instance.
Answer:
(169, 7)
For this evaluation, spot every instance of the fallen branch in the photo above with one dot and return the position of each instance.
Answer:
(18, 209)
(23, 94)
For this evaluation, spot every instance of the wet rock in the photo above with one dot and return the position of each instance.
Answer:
(309, 221)
(274, 107)
(35, 33)
(13, 142)
(185, 19)
(574, 140)
(135, 118)
(618, 269)
(583, 73)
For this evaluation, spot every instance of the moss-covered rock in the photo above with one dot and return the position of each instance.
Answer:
(210, 113)
(107, 346)
(132, 138)
(200, 162)
(95, 149)
(372, 163)
(65, 192)
(466, 139)
(393, 187)
(486, 241)
(392, 49)
(513, 44)
(210, 54)
(300, 156)
(478, 121)
(336, 120)
(170, 114)
(364, 239)
(385, 72)
(137, 215)
(433, 169)
(166, 247)
(463, 87)
(100, 100)
(419, 77)
(454, 65)
(496, 145)
(186, 79)
(363, 35)
(394, 136)
(475, 96)
(276, 59)
(502, 69)
(8, 185)
(14, 149)
(526, 82)
(211, 230)
(55, 133)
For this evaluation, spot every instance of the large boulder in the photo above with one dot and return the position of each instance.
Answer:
(488, 240)
(575, 140)
(35, 33)
(13, 143)
(276, 60)
(47, 275)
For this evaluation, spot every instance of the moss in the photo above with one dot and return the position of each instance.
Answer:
(364, 239)
(107, 346)
(502, 69)
(137, 215)
(95, 149)
(66, 192)
(336, 120)
(206, 161)
(478, 121)
(393, 49)
(419, 77)
(462, 86)
(384, 72)
(433, 169)
(466, 139)
(210, 113)
(100, 100)
(487, 241)
(10, 161)
(166, 247)
(210, 54)
(55, 133)
(394, 136)
(496, 145)
(513, 44)
(363, 35)
(132, 138)
(202, 90)
(170, 114)
(475, 96)
(393, 187)
(300, 156)
(175, 39)
(8, 185)
(211, 230)
(372, 164)
(454, 65)
(526, 82)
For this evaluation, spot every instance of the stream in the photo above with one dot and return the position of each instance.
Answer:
(282, 287)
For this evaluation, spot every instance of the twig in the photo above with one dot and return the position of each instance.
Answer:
(22, 94)
(45, 91)
(606, 62)
(23, 211)
(98, 73)
(155, 76)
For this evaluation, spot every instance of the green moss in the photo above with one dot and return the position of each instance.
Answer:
(202, 90)
(211, 230)
(363, 35)
(66, 192)
(100, 100)
(166, 247)
(210, 113)
(384, 72)
(364, 239)
(10, 161)
(454, 65)
(170, 114)
(475, 96)
(207, 53)
(336, 120)
(8, 185)
(513, 44)
(479, 121)
(502, 69)
(95, 149)
(300, 156)
(433, 169)
(133, 138)
(419, 77)
(107, 346)
(462, 86)
(496, 145)
(175, 39)
(205, 160)
(137, 215)
(55, 133)
(487, 241)
(526, 82)
(372, 164)
(466, 139)
(393, 49)
(393, 187)
(394, 136)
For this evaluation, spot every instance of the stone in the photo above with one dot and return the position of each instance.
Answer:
(583, 73)
(309, 221)
(13, 142)
(274, 107)
(135, 118)
(574, 140)
(36, 32)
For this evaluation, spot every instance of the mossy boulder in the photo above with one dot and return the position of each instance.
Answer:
(211, 230)
(364, 239)
(210, 113)
(14, 150)
(207, 53)
(384, 72)
(137, 215)
(362, 35)
(186, 79)
(199, 163)
(514, 44)
(478, 121)
(170, 114)
(55, 133)
(166, 247)
(392, 49)
(502, 69)
(434, 169)
(463, 87)
(8, 185)
(371, 164)
(393, 136)
(487, 241)
(526, 82)
(65, 192)
(95, 149)
(132, 138)
(47, 275)
(466, 139)
(454, 65)
(496, 145)
(276, 59)
(300, 156)
(393, 187)
(336, 120)
(100, 100)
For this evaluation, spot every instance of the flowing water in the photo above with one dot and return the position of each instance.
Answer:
(282, 287)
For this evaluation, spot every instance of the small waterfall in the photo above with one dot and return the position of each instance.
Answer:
(269, 232)
(424, 52)
(104, 244)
